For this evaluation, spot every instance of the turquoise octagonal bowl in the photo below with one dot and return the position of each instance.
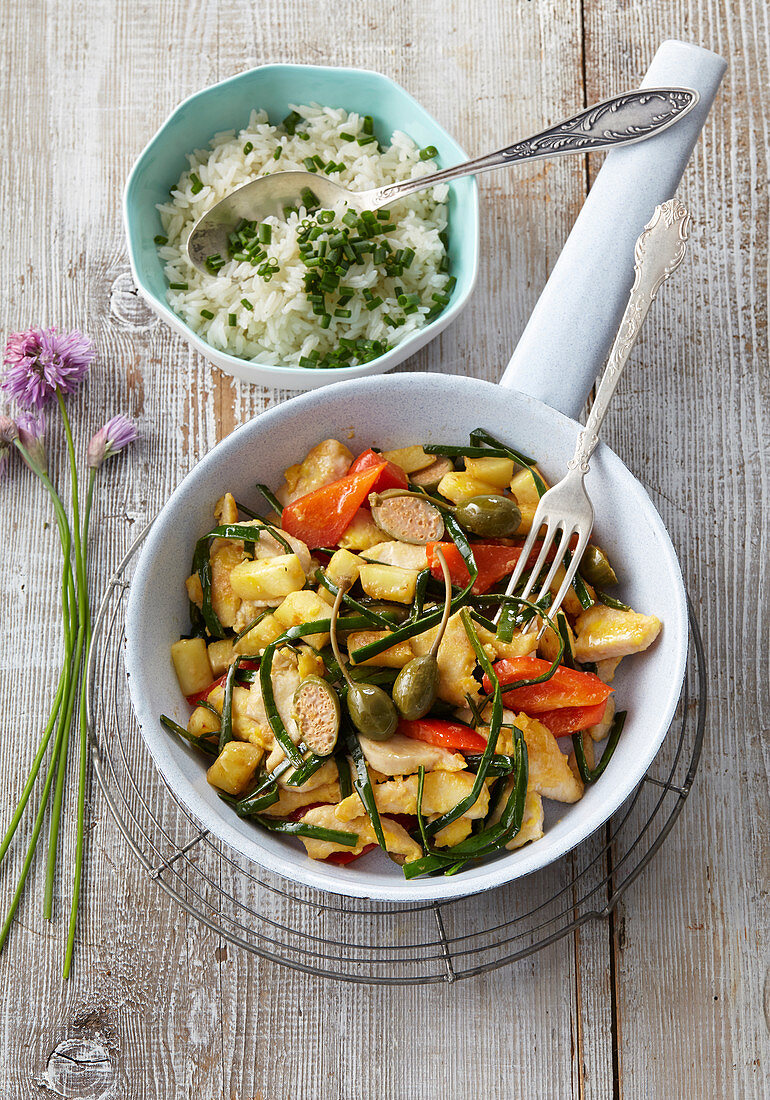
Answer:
(226, 106)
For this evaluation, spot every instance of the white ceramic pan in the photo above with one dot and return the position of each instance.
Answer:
(533, 408)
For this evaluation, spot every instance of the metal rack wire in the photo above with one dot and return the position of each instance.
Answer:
(363, 941)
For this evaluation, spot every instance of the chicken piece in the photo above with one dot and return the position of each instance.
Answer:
(285, 679)
(456, 661)
(532, 822)
(245, 727)
(601, 729)
(326, 462)
(520, 645)
(549, 770)
(403, 554)
(326, 774)
(606, 670)
(226, 510)
(453, 833)
(194, 590)
(441, 792)
(396, 656)
(604, 632)
(397, 840)
(291, 799)
(402, 755)
(224, 602)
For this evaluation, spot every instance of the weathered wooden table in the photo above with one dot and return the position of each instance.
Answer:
(670, 998)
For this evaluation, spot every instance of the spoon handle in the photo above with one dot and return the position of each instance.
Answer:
(658, 253)
(621, 120)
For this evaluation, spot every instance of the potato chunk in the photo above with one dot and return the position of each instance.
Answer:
(388, 582)
(604, 632)
(267, 578)
(192, 665)
(234, 768)
(396, 656)
(405, 555)
(361, 533)
(495, 471)
(527, 497)
(300, 607)
(410, 459)
(460, 486)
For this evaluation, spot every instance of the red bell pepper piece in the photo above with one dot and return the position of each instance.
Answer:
(454, 736)
(569, 720)
(566, 688)
(340, 859)
(319, 518)
(392, 477)
(494, 562)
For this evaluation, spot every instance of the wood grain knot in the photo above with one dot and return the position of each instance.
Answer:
(128, 307)
(80, 1068)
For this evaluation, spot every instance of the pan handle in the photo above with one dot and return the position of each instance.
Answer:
(566, 340)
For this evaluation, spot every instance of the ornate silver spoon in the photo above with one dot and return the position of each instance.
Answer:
(622, 120)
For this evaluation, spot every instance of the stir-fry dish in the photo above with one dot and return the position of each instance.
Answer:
(358, 678)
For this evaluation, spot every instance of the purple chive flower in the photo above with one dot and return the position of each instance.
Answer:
(40, 361)
(113, 437)
(31, 432)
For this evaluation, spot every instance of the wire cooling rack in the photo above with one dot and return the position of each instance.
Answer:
(363, 941)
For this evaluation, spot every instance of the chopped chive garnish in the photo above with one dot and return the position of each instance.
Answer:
(308, 197)
(178, 286)
(232, 320)
(342, 313)
(207, 314)
(277, 152)
(383, 215)
(368, 124)
(196, 183)
(290, 122)
(246, 304)
(429, 152)
(310, 164)
(160, 240)
(347, 137)
(366, 140)
(265, 233)
(248, 147)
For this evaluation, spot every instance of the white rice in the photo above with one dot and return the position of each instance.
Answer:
(282, 328)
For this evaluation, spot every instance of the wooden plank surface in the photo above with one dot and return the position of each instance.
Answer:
(671, 998)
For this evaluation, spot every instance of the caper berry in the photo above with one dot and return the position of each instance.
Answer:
(316, 710)
(489, 515)
(415, 687)
(372, 711)
(596, 569)
(407, 518)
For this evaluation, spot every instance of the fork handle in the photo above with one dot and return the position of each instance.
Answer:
(658, 252)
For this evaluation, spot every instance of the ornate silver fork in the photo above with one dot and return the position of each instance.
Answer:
(566, 508)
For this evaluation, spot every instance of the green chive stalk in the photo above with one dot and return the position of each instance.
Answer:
(80, 644)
